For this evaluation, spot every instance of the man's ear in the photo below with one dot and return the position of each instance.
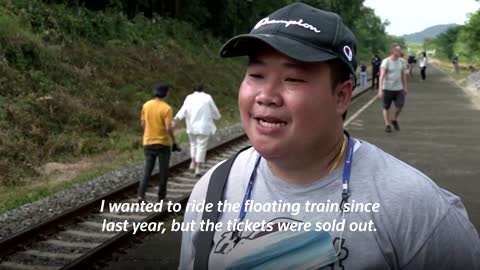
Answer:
(343, 94)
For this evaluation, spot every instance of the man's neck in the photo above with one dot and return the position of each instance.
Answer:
(394, 57)
(311, 166)
(159, 99)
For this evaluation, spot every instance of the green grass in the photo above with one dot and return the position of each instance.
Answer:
(444, 64)
(72, 86)
(13, 197)
(414, 48)
(447, 67)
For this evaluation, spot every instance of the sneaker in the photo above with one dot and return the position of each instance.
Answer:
(192, 165)
(197, 171)
(388, 129)
(159, 198)
(395, 125)
(140, 199)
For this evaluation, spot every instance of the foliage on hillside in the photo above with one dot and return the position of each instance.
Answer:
(227, 18)
(462, 41)
(73, 81)
(75, 73)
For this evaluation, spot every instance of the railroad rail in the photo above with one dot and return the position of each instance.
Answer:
(74, 239)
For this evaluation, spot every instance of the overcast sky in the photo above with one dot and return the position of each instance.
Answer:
(409, 16)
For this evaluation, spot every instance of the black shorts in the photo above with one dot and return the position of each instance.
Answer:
(396, 96)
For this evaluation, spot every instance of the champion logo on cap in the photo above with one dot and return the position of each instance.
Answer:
(300, 22)
(348, 53)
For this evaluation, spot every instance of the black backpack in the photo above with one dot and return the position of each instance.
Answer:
(204, 242)
(411, 59)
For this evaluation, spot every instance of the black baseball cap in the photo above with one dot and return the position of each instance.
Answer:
(301, 32)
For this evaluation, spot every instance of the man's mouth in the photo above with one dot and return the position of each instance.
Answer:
(270, 122)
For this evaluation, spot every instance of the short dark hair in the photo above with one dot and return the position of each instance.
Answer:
(160, 89)
(339, 73)
(199, 88)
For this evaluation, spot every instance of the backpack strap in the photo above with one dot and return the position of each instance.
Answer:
(204, 242)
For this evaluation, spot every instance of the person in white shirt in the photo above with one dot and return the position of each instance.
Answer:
(423, 66)
(199, 111)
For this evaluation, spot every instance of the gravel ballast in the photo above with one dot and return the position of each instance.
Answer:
(36, 212)
(472, 82)
(471, 85)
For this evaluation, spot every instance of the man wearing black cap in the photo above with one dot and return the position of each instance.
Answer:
(296, 91)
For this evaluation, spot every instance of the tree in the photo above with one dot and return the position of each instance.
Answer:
(395, 39)
(470, 33)
(446, 41)
(370, 33)
(460, 40)
(225, 18)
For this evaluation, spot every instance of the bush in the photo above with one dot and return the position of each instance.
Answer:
(73, 83)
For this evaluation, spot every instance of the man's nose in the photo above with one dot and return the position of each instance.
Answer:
(270, 95)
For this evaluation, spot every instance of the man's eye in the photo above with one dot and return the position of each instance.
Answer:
(256, 76)
(294, 80)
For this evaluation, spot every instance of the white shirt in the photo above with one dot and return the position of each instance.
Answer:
(199, 111)
(423, 62)
(393, 74)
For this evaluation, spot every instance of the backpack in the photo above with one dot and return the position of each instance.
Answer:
(411, 59)
(216, 186)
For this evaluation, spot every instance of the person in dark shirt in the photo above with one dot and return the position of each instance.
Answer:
(411, 64)
(455, 63)
(376, 61)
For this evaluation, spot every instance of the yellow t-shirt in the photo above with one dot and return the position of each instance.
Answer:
(156, 114)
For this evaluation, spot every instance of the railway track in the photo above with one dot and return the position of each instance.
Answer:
(74, 239)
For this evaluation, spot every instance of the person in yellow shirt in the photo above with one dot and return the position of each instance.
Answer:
(158, 138)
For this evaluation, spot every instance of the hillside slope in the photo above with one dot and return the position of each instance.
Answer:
(429, 32)
(73, 82)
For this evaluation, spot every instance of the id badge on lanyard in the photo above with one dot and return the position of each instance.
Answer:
(285, 249)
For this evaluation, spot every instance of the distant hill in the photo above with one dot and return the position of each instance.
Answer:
(429, 32)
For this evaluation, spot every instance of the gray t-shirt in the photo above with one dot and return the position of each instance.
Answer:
(418, 226)
(393, 74)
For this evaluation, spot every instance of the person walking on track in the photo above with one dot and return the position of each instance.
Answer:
(199, 111)
(158, 137)
(376, 61)
(455, 63)
(411, 64)
(423, 66)
(293, 98)
(392, 86)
